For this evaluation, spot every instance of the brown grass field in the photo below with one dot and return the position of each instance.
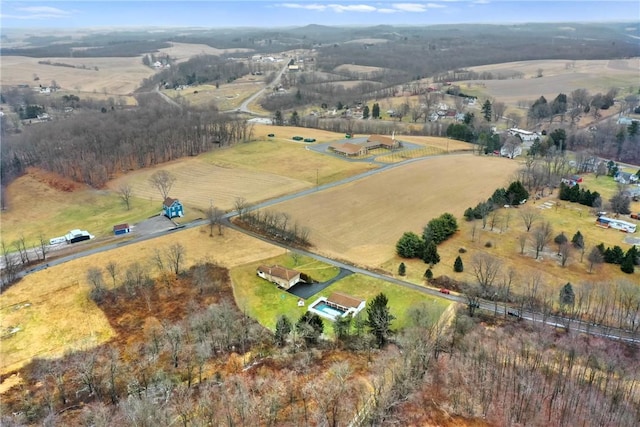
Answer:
(52, 310)
(226, 97)
(115, 76)
(181, 52)
(362, 69)
(559, 76)
(361, 221)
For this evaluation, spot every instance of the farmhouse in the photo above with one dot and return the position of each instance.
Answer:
(525, 136)
(337, 305)
(625, 178)
(281, 276)
(172, 208)
(121, 229)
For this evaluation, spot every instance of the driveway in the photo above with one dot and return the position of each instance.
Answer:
(155, 224)
(306, 290)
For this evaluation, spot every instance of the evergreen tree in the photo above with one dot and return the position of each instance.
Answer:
(627, 265)
(277, 118)
(560, 240)
(486, 110)
(295, 119)
(577, 240)
(379, 319)
(431, 253)
(342, 326)
(458, 267)
(283, 328)
(516, 192)
(402, 269)
(410, 245)
(310, 327)
(428, 274)
(567, 297)
(365, 112)
(375, 111)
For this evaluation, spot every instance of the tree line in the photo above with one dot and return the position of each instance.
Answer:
(93, 147)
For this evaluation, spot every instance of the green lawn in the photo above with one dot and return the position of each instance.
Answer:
(264, 301)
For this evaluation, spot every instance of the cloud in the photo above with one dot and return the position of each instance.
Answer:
(339, 8)
(37, 12)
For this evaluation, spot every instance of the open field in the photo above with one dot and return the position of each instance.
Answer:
(58, 211)
(198, 183)
(565, 217)
(361, 221)
(264, 301)
(559, 76)
(361, 69)
(226, 97)
(181, 52)
(60, 316)
(115, 76)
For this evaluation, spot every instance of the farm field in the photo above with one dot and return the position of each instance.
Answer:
(52, 309)
(181, 52)
(115, 76)
(559, 76)
(226, 97)
(361, 221)
(199, 182)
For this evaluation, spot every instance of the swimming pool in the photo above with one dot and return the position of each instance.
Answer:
(323, 307)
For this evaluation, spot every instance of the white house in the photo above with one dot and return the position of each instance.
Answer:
(281, 276)
(526, 136)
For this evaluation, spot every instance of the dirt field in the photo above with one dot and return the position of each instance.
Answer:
(362, 221)
(116, 76)
(559, 76)
(51, 308)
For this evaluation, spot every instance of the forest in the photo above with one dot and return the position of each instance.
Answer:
(204, 362)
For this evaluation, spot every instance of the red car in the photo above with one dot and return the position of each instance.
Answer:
(445, 291)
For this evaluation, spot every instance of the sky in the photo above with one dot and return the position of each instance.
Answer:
(270, 13)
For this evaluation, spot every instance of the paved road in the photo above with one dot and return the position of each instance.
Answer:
(574, 325)
(244, 107)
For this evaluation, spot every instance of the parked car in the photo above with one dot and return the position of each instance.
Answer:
(514, 313)
(445, 291)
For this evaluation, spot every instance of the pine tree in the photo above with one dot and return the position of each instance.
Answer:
(577, 240)
(458, 267)
(283, 328)
(379, 319)
(486, 110)
(567, 296)
(627, 264)
(402, 269)
(431, 253)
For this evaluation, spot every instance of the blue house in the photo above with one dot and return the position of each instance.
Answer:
(172, 208)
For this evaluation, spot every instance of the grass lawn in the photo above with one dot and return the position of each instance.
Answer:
(400, 299)
(57, 212)
(265, 302)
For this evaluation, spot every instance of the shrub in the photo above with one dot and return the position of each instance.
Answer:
(458, 267)
(488, 245)
(402, 269)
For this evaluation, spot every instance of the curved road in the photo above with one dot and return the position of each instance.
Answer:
(584, 327)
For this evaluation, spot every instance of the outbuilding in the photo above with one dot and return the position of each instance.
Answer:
(121, 229)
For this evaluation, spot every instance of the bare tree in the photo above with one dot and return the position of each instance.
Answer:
(498, 110)
(529, 215)
(112, 269)
(124, 192)
(241, 205)
(485, 268)
(163, 181)
(542, 236)
(43, 247)
(94, 277)
(522, 241)
(595, 258)
(565, 251)
(175, 257)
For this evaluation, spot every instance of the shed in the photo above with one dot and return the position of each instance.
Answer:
(121, 229)
(172, 208)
